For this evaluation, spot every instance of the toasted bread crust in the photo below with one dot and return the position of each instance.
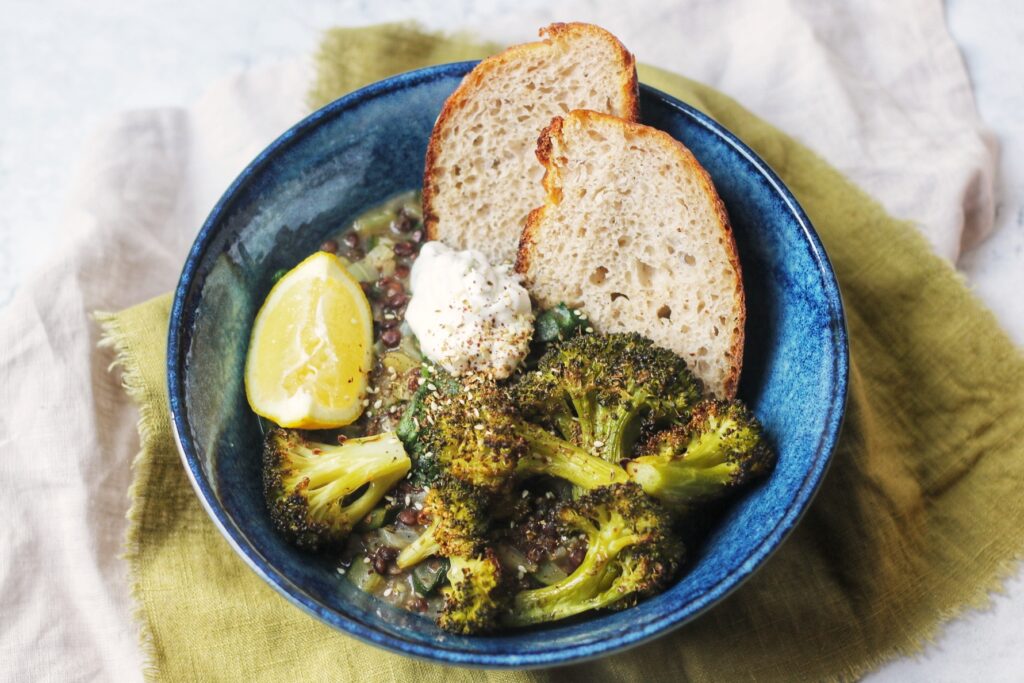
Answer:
(487, 68)
(552, 188)
(547, 146)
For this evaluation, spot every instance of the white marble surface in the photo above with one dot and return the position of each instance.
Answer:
(65, 65)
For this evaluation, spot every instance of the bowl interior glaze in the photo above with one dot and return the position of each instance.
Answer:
(369, 146)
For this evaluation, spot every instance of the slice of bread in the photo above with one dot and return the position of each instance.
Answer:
(633, 231)
(481, 177)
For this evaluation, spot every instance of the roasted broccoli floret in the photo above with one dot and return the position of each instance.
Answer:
(432, 379)
(631, 553)
(436, 409)
(459, 518)
(317, 492)
(477, 436)
(720, 449)
(466, 429)
(550, 455)
(458, 531)
(601, 390)
(476, 597)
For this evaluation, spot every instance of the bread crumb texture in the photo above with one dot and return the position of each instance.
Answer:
(634, 232)
(482, 177)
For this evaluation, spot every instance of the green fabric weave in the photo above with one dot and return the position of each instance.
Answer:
(920, 516)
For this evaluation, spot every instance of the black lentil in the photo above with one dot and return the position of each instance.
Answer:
(391, 337)
(403, 249)
(382, 558)
(397, 300)
(409, 516)
(403, 222)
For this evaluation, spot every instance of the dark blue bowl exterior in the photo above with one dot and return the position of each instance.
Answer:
(370, 145)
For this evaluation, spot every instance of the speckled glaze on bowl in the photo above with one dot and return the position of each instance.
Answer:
(369, 146)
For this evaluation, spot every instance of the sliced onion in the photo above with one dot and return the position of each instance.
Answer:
(382, 257)
(548, 573)
(512, 558)
(398, 537)
(363, 272)
(408, 345)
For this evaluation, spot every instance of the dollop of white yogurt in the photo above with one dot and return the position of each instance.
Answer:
(469, 316)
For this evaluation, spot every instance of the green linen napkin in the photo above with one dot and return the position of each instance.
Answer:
(920, 516)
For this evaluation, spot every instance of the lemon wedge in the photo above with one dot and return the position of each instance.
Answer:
(311, 348)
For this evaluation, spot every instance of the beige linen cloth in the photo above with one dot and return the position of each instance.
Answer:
(877, 89)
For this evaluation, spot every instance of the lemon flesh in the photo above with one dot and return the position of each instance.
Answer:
(311, 348)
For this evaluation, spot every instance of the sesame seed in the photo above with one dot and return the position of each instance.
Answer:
(590, 330)
(431, 386)
(598, 443)
(378, 403)
(387, 591)
(366, 560)
(526, 494)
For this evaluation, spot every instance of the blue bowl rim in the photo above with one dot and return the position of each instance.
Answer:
(574, 653)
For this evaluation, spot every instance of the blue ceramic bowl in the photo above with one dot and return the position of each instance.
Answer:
(370, 145)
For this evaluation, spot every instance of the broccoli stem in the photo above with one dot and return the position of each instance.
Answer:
(527, 610)
(365, 504)
(565, 421)
(420, 549)
(558, 600)
(331, 476)
(681, 485)
(589, 587)
(553, 456)
(585, 407)
(612, 427)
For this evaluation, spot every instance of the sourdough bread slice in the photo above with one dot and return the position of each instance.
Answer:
(633, 231)
(481, 176)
